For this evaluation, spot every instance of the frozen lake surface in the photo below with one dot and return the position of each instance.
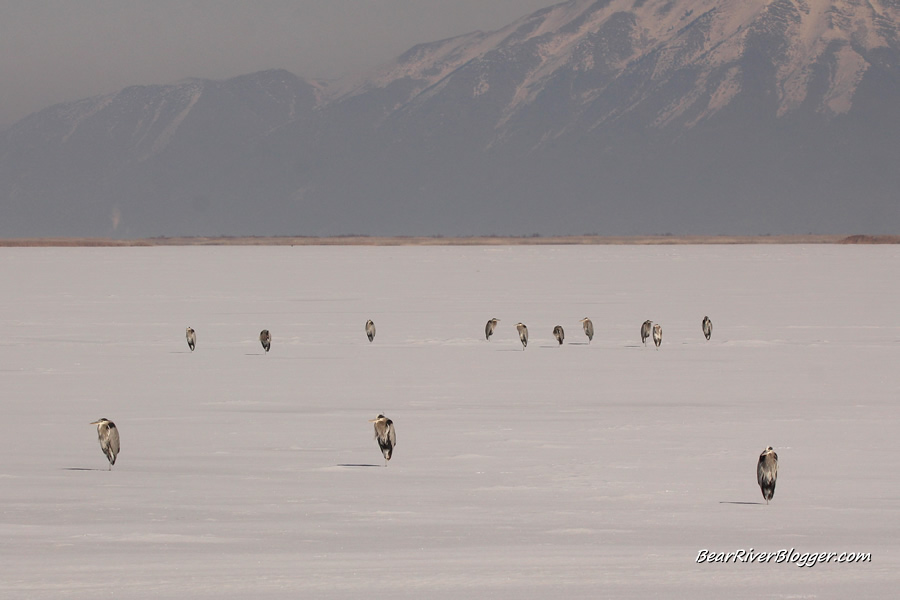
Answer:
(574, 471)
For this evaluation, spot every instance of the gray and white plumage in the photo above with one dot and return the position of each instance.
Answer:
(523, 334)
(588, 328)
(657, 335)
(559, 334)
(707, 327)
(191, 336)
(489, 328)
(108, 434)
(767, 473)
(645, 331)
(265, 338)
(385, 435)
(370, 330)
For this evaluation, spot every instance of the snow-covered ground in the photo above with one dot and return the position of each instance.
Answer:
(581, 471)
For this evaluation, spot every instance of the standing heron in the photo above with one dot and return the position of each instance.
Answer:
(645, 331)
(191, 338)
(370, 330)
(265, 338)
(109, 439)
(767, 473)
(657, 335)
(385, 435)
(707, 327)
(523, 334)
(559, 334)
(588, 328)
(489, 328)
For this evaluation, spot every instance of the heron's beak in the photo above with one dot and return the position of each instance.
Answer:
(95, 423)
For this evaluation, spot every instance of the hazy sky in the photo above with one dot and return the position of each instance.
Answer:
(57, 50)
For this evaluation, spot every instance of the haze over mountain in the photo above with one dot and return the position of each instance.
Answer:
(610, 117)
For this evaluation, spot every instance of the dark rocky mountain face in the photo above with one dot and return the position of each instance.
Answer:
(610, 117)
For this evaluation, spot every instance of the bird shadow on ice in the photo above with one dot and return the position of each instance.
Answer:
(727, 502)
(358, 465)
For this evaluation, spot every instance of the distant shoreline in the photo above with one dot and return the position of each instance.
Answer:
(578, 240)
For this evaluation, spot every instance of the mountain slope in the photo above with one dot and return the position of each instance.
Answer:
(154, 155)
(818, 48)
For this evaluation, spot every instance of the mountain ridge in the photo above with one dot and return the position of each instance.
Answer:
(610, 116)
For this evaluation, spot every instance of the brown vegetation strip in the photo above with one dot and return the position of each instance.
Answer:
(451, 241)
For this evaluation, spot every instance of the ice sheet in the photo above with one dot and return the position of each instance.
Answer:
(580, 471)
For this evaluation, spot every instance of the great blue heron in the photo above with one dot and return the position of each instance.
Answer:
(265, 338)
(109, 439)
(657, 335)
(489, 328)
(645, 331)
(385, 435)
(707, 327)
(588, 328)
(523, 334)
(767, 473)
(370, 330)
(191, 338)
(559, 334)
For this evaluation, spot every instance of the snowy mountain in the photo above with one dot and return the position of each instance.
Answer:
(591, 44)
(614, 116)
(819, 50)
